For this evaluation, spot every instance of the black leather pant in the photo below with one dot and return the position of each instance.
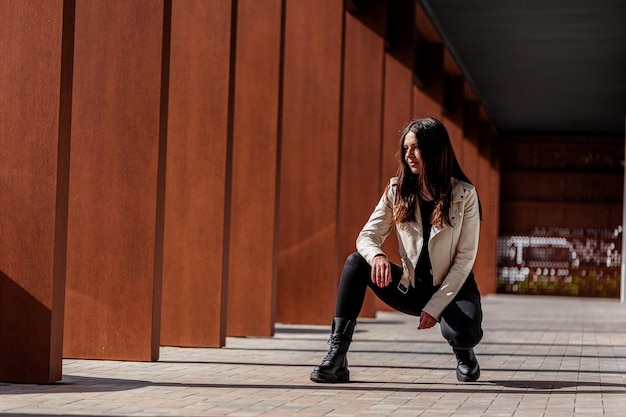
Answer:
(460, 322)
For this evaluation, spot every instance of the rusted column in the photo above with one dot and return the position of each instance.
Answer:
(35, 118)
(307, 247)
(361, 128)
(198, 174)
(115, 226)
(254, 197)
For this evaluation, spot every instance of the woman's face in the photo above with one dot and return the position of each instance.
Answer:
(411, 154)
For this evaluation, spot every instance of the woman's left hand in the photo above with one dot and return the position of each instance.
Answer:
(426, 321)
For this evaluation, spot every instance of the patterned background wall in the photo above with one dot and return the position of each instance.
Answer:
(573, 262)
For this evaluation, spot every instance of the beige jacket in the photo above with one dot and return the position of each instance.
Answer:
(452, 249)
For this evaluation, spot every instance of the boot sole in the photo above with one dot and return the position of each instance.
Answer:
(467, 378)
(317, 377)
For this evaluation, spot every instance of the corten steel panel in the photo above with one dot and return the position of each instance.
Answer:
(397, 112)
(569, 182)
(469, 158)
(196, 221)
(252, 254)
(361, 134)
(424, 25)
(562, 186)
(114, 233)
(593, 215)
(35, 110)
(453, 116)
(490, 146)
(428, 100)
(471, 139)
(449, 64)
(488, 187)
(307, 247)
(398, 99)
(594, 187)
(533, 186)
(525, 216)
(478, 154)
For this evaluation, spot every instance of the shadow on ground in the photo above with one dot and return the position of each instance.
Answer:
(78, 384)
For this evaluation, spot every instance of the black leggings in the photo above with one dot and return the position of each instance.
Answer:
(460, 322)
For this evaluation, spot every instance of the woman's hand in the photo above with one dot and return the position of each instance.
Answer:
(381, 271)
(426, 321)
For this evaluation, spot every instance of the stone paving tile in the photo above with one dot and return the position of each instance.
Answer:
(540, 357)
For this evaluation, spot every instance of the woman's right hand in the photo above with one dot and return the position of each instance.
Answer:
(381, 271)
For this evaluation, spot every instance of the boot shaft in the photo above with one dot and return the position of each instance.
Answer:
(342, 329)
(465, 355)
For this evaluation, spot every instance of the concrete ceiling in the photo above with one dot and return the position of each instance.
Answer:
(541, 66)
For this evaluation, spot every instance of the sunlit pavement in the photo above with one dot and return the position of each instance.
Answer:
(540, 356)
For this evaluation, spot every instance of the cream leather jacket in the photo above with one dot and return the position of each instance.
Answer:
(452, 249)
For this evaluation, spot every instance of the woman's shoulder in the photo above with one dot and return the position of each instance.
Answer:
(391, 189)
(457, 183)
(461, 188)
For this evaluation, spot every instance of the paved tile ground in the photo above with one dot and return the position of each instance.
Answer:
(541, 356)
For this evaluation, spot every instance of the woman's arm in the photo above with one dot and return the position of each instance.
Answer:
(380, 223)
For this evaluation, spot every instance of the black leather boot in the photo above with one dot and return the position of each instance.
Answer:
(334, 367)
(467, 369)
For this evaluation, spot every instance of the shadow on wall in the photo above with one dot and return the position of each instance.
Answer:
(24, 349)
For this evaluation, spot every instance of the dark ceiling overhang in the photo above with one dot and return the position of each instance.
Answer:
(555, 67)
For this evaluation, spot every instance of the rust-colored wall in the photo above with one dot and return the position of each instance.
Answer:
(197, 179)
(278, 124)
(361, 130)
(428, 95)
(398, 84)
(561, 182)
(397, 100)
(454, 117)
(310, 123)
(35, 80)
(488, 185)
(253, 240)
(114, 233)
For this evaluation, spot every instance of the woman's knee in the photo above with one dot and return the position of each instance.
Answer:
(355, 260)
(465, 337)
(461, 324)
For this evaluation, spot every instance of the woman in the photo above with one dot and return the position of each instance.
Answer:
(436, 213)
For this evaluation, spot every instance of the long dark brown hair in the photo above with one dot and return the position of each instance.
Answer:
(439, 166)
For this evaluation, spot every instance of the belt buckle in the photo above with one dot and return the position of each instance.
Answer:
(402, 288)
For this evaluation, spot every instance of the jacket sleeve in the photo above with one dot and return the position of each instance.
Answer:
(380, 223)
(463, 260)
